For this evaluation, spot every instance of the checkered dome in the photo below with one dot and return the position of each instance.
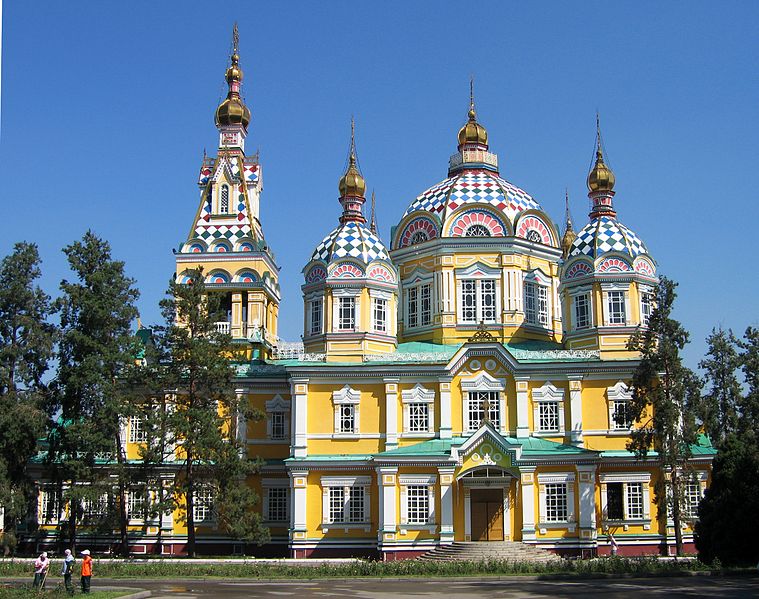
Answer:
(473, 187)
(351, 240)
(603, 235)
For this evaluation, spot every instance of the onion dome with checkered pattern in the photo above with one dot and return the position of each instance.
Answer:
(603, 235)
(233, 111)
(351, 240)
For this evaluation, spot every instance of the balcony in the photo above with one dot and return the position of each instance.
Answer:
(223, 327)
(473, 156)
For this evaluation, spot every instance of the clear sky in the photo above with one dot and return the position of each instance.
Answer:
(107, 106)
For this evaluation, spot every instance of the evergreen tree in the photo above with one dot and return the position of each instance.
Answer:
(720, 404)
(205, 413)
(26, 345)
(96, 312)
(728, 527)
(665, 396)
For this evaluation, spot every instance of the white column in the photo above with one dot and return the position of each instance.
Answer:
(575, 409)
(298, 488)
(446, 504)
(523, 423)
(391, 412)
(167, 519)
(386, 481)
(586, 487)
(445, 407)
(299, 393)
(527, 481)
(242, 423)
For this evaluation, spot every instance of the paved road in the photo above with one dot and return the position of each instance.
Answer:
(690, 586)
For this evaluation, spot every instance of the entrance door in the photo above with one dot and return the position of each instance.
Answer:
(487, 514)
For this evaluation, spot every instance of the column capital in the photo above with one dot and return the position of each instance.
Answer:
(391, 379)
(575, 377)
(522, 377)
(299, 380)
(444, 379)
(586, 467)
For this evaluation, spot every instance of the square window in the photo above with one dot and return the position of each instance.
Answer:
(477, 403)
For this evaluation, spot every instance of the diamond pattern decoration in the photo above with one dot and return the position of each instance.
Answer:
(603, 235)
(351, 240)
(481, 187)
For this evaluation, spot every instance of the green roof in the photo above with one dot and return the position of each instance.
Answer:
(536, 446)
(332, 457)
(431, 448)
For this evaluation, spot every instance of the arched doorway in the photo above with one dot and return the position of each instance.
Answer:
(487, 504)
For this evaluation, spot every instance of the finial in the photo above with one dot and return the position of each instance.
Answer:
(235, 38)
(599, 148)
(568, 215)
(352, 157)
(373, 220)
(472, 113)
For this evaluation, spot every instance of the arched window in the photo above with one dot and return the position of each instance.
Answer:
(477, 231)
(224, 199)
(419, 237)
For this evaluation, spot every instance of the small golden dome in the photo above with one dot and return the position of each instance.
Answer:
(233, 111)
(352, 183)
(234, 72)
(601, 177)
(472, 132)
(567, 241)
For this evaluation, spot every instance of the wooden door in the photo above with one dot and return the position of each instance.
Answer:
(487, 514)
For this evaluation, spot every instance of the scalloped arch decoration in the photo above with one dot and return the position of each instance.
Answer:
(418, 230)
(530, 227)
(196, 248)
(245, 246)
(477, 217)
(316, 274)
(218, 277)
(614, 265)
(578, 269)
(247, 276)
(347, 271)
(221, 247)
(644, 267)
(381, 273)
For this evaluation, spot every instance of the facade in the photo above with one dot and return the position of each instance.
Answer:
(468, 381)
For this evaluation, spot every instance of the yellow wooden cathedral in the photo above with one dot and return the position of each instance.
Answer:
(464, 380)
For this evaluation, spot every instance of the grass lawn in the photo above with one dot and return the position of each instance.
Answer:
(51, 592)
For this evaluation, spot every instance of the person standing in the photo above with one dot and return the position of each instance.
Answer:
(41, 565)
(86, 571)
(67, 571)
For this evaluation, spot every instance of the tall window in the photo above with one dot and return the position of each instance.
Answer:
(625, 501)
(417, 504)
(347, 418)
(224, 199)
(379, 320)
(556, 502)
(536, 304)
(315, 314)
(478, 300)
(203, 508)
(49, 506)
(692, 499)
(419, 305)
(646, 306)
(419, 417)
(634, 495)
(548, 416)
(347, 314)
(615, 301)
(582, 311)
(615, 501)
(412, 311)
(136, 432)
(278, 425)
(478, 402)
(622, 415)
(336, 504)
(136, 504)
(425, 297)
(277, 504)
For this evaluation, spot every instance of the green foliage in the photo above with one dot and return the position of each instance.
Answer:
(96, 311)
(26, 345)
(665, 400)
(720, 406)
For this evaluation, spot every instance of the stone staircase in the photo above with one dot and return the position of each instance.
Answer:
(492, 550)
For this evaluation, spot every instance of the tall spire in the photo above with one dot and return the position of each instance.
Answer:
(373, 220)
(472, 112)
(232, 111)
(472, 133)
(352, 185)
(601, 181)
(569, 234)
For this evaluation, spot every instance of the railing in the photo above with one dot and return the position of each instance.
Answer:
(478, 156)
(222, 327)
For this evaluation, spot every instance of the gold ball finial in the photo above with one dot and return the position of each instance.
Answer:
(601, 177)
(233, 111)
(352, 183)
(472, 131)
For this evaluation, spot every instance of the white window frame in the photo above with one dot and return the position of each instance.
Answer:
(576, 295)
(548, 395)
(538, 285)
(418, 480)
(381, 298)
(646, 291)
(315, 325)
(557, 478)
(346, 397)
(93, 507)
(618, 394)
(49, 496)
(137, 432)
(337, 295)
(606, 289)
(353, 488)
(482, 382)
(627, 478)
(418, 396)
(204, 505)
(479, 275)
(278, 484)
(277, 405)
(224, 187)
(137, 500)
(414, 289)
(690, 508)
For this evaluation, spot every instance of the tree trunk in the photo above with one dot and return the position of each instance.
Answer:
(123, 516)
(676, 516)
(189, 506)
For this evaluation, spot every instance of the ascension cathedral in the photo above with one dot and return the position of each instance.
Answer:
(464, 379)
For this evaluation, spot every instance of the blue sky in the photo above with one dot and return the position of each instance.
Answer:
(107, 106)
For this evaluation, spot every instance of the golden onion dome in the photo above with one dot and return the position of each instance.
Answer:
(472, 132)
(233, 111)
(601, 177)
(234, 72)
(352, 183)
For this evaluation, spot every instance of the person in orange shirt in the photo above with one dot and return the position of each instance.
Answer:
(86, 571)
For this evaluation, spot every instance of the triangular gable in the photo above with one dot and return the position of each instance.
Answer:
(486, 433)
(472, 349)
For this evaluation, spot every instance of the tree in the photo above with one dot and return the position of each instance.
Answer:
(206, 417)
(720, 405)
(96, 314)
(727, 525)
(26, 346)
(665, 395)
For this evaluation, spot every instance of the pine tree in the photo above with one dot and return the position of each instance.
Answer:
(26, 345)
(720, 404)
(96, 313)
(205, 412)
(665, 396)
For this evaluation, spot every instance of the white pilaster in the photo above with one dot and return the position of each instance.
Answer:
(298, 488)
(299, 393)
(445, 407)
(575, 409)
(386, 482)
(586, 487)
(242, 423)
(527, 483)
(391, 412)
(446, 504)
(523, 424)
